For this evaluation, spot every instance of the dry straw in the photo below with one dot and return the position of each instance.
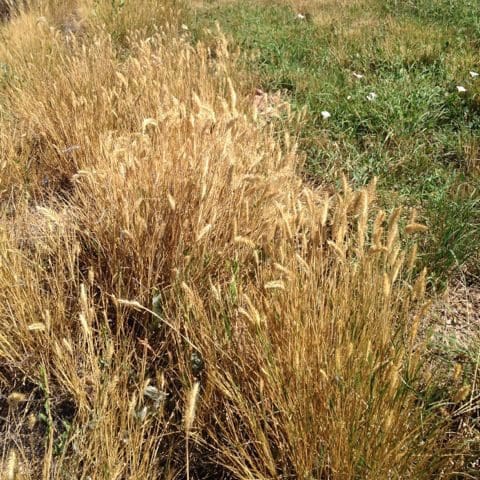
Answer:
(157, 187)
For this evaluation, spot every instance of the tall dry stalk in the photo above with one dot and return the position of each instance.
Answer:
(156, 236)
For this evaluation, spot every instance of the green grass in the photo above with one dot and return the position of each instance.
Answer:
(461, 15)
(418, 136)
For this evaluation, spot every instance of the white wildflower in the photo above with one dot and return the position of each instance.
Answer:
(372, 96)
(474, 74)
(326, 115)
(461, 89)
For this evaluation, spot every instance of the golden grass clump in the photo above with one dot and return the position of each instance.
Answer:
(174, 300)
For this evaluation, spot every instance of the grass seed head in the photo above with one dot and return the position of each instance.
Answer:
(462, 394)
(413, 228)
(15, 398)
(191, 406)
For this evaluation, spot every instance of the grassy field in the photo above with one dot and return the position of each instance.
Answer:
(224, 229)
(418, 134)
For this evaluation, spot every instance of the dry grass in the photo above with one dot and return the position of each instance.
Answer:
(174, 301)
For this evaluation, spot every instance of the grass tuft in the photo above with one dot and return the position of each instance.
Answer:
(176, 301)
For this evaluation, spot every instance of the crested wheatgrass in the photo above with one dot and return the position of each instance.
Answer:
(154, 235)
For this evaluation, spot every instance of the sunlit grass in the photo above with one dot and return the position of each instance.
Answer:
(418, 135)
(176, 300)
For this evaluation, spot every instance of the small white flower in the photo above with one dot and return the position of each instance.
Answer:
(474, 74)
(461, 89)
(184, 27)
(326, 115)
(349, 97)
(372, 96)
(301, 16)
(358, 75)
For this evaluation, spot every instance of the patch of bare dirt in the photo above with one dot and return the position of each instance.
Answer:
(454, 352)
(457, 313)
